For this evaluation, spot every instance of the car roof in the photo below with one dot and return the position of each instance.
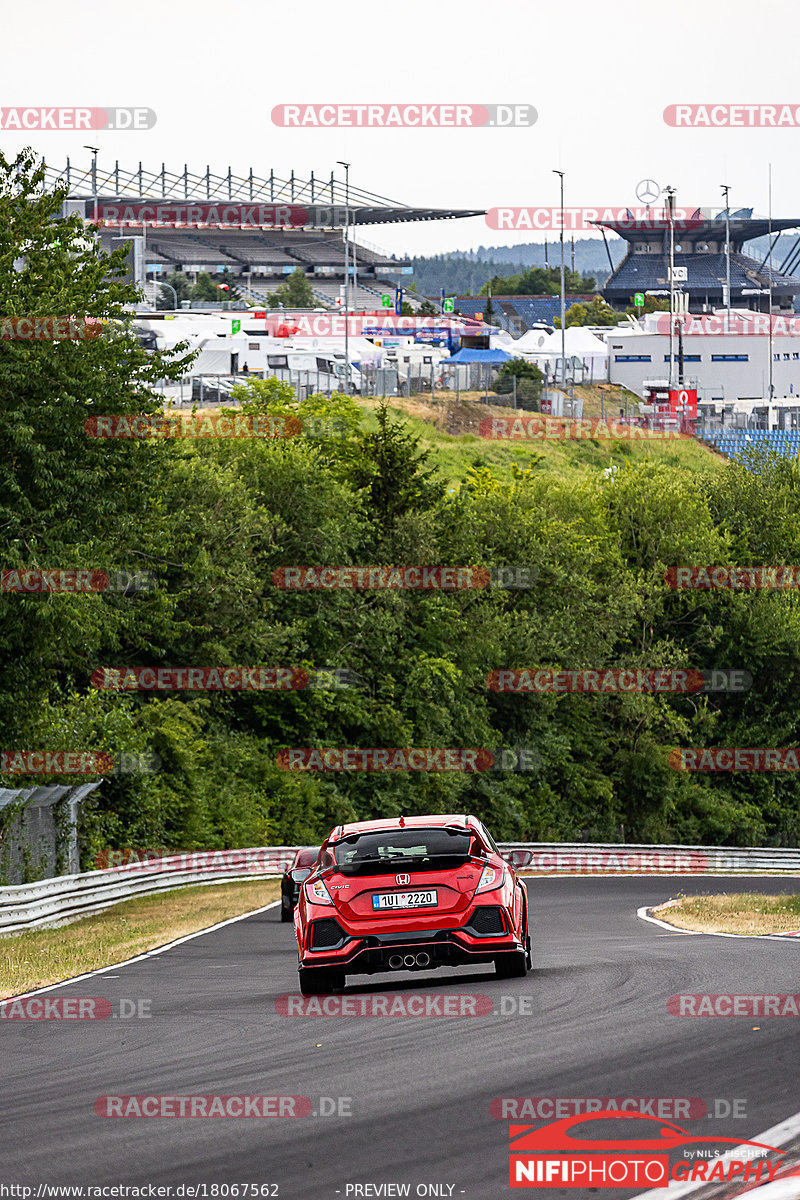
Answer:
(436, 821)
(306, 855)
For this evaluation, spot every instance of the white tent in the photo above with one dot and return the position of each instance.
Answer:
(360, 349)
(582, 343)
(503, 341)
(534, 341)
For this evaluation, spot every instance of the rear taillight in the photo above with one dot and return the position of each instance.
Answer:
(491, 877)
(317, 893)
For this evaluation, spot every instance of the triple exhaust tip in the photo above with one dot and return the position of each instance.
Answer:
(396, 961)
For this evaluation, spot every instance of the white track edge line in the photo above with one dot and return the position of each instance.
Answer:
(644, 915)
(782, 1132)
(188, 937)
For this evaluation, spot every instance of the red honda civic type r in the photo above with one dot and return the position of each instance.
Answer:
(409, 893)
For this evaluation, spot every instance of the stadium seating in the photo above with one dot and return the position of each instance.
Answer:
(529, 310)
(642, 272)
(732, 442)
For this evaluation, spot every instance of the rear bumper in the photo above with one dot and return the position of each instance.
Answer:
(369, 954)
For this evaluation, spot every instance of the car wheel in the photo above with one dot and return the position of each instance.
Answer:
(286, 912)
(512, 966)
(320, 981)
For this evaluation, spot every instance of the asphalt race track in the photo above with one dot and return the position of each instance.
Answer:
(419, 1088)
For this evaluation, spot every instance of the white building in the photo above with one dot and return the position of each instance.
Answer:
(729, 367)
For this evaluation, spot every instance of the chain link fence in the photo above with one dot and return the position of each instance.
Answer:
(436, 381)
(39, 831)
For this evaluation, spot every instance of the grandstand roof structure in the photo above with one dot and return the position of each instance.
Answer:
(700, 240)
(323, 198)
(701, 225)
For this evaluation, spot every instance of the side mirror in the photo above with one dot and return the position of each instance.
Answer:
(301, 873)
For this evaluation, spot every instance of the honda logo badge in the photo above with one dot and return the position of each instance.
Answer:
(406, 879)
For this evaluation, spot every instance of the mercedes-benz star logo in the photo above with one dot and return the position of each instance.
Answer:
(405, 879)
(647, 191)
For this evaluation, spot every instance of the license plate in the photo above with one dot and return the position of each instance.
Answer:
(392, 900)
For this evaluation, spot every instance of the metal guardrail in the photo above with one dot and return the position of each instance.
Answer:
(599, 858)
(51, 902)
(54, 901)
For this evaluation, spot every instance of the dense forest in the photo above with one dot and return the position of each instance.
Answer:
(210, 521)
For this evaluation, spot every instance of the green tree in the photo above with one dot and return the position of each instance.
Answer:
(651, 304)
(294, 292)
(388, 463)
(529, 382)
(183, 291)
(538, 281)
(208, 287)
(66, 498)
(205, 288)
(596, 312)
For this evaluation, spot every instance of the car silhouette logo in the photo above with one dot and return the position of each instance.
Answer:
(404, 879)
(557, 1136)
(647, 191)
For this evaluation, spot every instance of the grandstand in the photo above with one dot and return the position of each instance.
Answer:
(517, 314)
(699, 246)
(733, 442)
(258, 229)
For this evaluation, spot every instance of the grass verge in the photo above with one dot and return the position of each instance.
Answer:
(741, 912)
(43, 956)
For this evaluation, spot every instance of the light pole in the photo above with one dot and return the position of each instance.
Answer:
(670, 192)
(725, 190)
(95, 151)
(139, 272)
(172, 289)
(346, 166)
(769, 302)
(563, 301)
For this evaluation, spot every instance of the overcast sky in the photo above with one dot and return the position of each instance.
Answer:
(599, 76)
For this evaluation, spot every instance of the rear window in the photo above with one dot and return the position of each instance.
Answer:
(305, 858)
(390, 850)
